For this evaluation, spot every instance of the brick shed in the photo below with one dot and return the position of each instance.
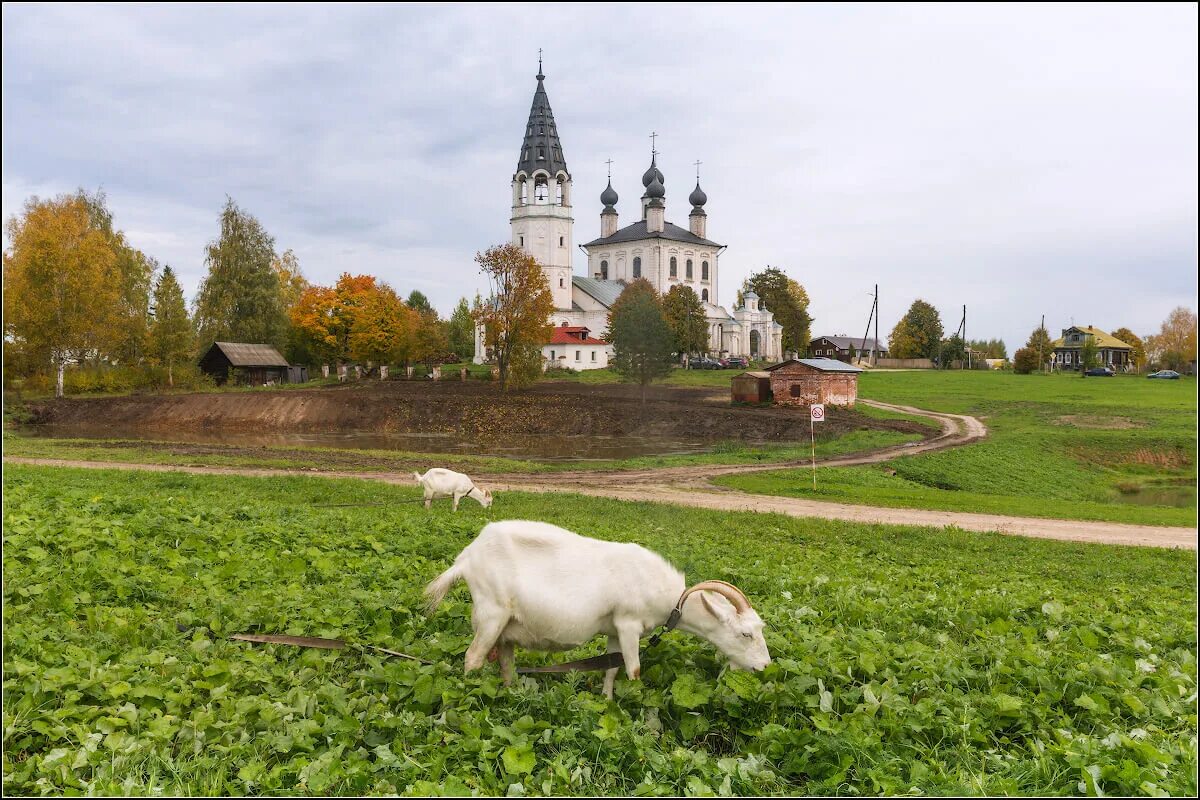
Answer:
(751, 387)
(804, 381)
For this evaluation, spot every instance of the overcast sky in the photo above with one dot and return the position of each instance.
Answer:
(1023, 160)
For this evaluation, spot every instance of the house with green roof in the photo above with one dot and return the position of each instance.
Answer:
(1110, 351)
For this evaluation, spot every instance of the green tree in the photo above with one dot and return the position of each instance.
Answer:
(640, 335)
(171, 335)
(1040, 345)
(1089, 354)
(419, 302)
(788, 301)
(292, 286)
(952, 350)
(62, 283)
(685, 316)
(516, 320)
(460, 331)
(239, 299)
(1138, 354)
(1025, 361)
(918, 334)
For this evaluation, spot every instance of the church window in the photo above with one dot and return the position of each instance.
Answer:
(637, 267)
(688, 269)
(560, 241)
(593, 355)
(577, 358)
(674, 267)
(558, 197)
(704, 271)
(522, 241)
(604, 270)
(541, 152)
(560, 283)
(704, 295)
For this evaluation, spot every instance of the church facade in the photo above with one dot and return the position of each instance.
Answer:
(651, 247)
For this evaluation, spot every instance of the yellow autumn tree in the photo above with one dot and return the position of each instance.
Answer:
(62, 287)
(516, 319)
(382, 326)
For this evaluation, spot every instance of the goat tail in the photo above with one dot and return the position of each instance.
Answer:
(436, 591)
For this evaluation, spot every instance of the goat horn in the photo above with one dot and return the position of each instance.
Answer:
(727, 590)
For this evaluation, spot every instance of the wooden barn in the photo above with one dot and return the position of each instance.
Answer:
(751, 387)
(255, 364)
(804, 381)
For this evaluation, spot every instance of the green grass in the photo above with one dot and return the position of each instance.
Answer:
(1058, 446)
(906, 660)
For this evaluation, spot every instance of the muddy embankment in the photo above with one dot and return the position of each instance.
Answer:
(471, 410)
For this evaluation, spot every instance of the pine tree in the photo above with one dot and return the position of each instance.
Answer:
(640, 335)
(170, 339)
(239, 300)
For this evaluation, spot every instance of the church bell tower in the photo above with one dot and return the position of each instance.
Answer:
(541, 201)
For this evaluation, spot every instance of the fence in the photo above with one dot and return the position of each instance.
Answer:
(903, 363)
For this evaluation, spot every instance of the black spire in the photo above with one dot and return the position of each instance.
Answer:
(541, 148)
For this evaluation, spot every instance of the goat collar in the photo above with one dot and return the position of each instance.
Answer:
(728, 590)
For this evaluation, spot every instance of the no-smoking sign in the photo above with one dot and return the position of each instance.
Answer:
(816, 412)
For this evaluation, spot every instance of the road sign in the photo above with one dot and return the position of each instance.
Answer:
(816, 412)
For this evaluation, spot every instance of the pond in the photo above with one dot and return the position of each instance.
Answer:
(544, 447)
(1175, 496)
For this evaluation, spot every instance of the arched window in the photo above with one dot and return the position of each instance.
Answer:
(558, 194)
(604, 270)
(704, 271)
(674, 267)
(524, 192)
(637, 267)
(688, 271)
(704, 295)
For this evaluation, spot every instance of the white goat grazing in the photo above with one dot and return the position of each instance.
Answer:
(440, 482)
(545, 588)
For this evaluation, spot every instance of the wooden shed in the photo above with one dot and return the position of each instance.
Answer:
(751, 387)
(256, 364)
(804, 381)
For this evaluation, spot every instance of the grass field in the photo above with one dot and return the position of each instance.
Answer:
(906, 660)
(1058, 446)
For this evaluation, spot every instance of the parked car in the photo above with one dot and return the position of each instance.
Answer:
(1166, 374)
(1099, 372)
(704, 362)
(736, 362)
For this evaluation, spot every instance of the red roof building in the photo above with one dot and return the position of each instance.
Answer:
(573, 334)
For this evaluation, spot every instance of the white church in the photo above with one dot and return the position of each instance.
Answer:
(652, 248)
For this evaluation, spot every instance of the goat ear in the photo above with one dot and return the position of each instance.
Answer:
(713, 608)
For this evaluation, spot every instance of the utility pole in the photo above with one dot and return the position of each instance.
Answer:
(874, 315)
(1041, 363)
(966, 346)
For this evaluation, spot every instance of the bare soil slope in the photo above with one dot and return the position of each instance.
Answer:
(476, 410)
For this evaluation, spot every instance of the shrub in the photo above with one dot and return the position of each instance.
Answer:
(1024, 361)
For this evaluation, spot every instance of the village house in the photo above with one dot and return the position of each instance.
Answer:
(254, 364)
(846, 348)
(1110, 351)
(804, 381)
(572, 346)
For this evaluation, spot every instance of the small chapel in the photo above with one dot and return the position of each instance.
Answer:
(651, 247)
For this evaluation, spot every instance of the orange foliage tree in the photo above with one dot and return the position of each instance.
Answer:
(358, 319)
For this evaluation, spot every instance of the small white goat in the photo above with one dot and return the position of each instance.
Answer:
(545, 588)
(440, 482)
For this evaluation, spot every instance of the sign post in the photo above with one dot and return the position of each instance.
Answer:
(816, 413)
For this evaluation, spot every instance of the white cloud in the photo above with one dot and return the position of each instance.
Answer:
(1020, 159)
